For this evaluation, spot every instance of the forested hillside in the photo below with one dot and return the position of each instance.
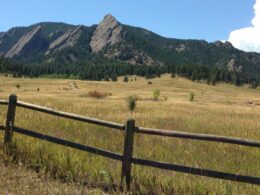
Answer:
(112, 49)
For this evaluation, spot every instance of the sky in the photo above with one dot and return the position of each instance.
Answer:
(237, 21)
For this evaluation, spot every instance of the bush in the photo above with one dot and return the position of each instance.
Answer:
(165, 98)
(18, 86)
(131, 103)
(98, 94)
(126, 79)
(156, 94)
(192, 96)
(254, 85)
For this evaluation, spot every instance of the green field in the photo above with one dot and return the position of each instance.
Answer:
(220, 110)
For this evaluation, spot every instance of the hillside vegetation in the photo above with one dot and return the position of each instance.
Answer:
(113, 49)
(222, 110)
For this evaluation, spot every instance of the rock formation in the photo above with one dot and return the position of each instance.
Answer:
(29, 41)
(1, 34)
(108, 32)
(68, 39)
(233, 66)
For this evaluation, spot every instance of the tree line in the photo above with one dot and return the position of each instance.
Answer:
(104, 69)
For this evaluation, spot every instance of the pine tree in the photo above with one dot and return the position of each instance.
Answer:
(114, 77)
(126, 79)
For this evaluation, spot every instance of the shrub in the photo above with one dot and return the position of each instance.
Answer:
(192, 96)
(156, 94)
(131, 103)
(126, 79)
(18, 86)
(254, 85)
(98, 94)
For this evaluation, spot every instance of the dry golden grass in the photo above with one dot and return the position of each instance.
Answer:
(220, 110)
(16, 179)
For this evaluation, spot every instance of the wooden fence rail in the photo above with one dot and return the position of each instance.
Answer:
(197, 136)
(130, 129)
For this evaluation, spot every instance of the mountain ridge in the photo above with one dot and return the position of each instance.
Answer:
(110, 40)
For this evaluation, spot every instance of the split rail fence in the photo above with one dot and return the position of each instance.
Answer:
(129, 129)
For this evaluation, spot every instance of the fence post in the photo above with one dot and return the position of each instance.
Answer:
(128, 152)
(10, 118)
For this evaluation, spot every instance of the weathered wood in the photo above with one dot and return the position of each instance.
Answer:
(71, 116)
(150, 131)
(196, 136)
(3, 102)
(198, 171)
(70, 144)
(128, 152)
(10, 118)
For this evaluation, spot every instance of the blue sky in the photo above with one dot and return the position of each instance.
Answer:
(194, 19)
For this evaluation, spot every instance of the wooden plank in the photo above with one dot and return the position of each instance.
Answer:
(71, 116)
(70, 144)
(10, 119)
(196, 136)
(198, 171)
(3, 102)
(128, 152)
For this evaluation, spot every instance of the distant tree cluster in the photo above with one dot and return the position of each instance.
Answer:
(212, 75)
(94, 69)
(104, 69)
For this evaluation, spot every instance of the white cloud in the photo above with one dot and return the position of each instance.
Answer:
(248, 39)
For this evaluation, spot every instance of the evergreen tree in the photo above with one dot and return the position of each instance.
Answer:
(254, 84)
(114, 77)
(126, 79)
(106, 78)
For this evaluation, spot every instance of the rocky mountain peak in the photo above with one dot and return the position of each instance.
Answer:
(31, 40)
(226, 44)
(108, 32)
(68, 39)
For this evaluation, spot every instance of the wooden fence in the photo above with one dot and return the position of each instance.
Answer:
(129, 129)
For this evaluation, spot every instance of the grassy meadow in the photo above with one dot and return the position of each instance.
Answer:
(220, 110)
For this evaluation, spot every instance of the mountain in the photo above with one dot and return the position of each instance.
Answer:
(108, 32)
(66, 49)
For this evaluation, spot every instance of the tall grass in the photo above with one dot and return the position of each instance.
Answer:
(210, 113)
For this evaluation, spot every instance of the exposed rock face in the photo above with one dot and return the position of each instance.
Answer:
(1, 34)
(29, 41)
(233, 66)
(68, 39)
(108, 32)
(127, 53)
(181, 48)
(56, 33)
(1, 41)
(226, 44)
